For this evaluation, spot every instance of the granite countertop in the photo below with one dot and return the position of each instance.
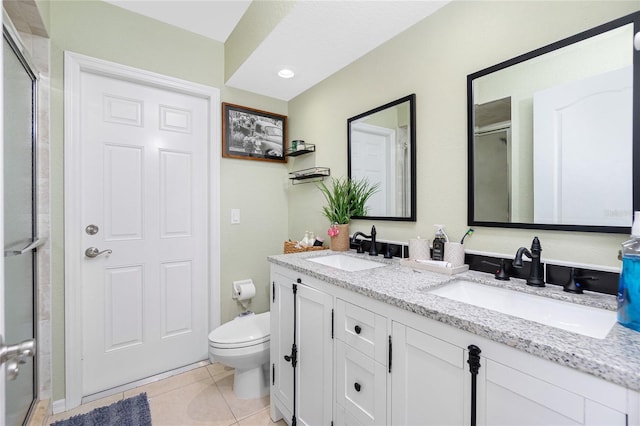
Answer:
(614, 358)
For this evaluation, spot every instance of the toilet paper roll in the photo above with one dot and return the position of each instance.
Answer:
(419, 249)
(245, 289)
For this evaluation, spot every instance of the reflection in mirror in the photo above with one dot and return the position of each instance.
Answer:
(492, 161)
(551, 142)
(381, 148)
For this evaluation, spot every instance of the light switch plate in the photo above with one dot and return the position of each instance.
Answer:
(235, 216)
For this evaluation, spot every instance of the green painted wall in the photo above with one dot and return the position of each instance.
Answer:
(432, 59)
(107, 32)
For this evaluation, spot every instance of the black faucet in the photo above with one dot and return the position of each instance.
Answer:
(373, 250)
(536, 274)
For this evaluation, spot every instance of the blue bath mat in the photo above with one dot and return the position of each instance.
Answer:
(132, 411)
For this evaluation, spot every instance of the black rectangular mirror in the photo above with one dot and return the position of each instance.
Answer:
(553, 135)
(382, 148)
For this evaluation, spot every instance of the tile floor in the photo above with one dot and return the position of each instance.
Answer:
(203, 396)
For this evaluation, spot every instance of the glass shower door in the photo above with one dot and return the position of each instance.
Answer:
(19, 228)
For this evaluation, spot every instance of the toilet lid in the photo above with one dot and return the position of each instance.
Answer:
(246, 329)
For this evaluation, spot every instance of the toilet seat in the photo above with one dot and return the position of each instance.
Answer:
(244, 331)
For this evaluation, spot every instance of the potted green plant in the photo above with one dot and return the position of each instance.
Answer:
(345, 198)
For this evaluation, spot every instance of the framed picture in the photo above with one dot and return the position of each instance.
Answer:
(252, 134)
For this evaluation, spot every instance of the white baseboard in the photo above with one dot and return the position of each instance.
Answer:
(59, 406)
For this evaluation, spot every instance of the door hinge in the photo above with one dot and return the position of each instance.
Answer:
(293, 420)
(273, 291)
(390, 353)
(332, 326)
(295, 286)
(273, 374)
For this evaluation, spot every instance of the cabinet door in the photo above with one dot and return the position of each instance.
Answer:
(282, 319)
(513, 398)
(598, 415)
(361, 387)
(314, 380)
(428, 380)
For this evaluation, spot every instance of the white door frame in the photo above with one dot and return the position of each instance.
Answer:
(74, 65)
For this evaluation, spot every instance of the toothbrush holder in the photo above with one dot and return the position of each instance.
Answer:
(454, 253)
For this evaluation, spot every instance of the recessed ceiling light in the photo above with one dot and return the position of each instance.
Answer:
(286, 73)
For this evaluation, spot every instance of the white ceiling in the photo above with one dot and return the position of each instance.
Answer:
(316, 39)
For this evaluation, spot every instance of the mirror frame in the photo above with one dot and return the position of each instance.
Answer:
(633, 19)
(412, 155)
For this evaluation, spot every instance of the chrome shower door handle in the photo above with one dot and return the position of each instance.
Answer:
(14, 355)
(95, 252)
(33, 245)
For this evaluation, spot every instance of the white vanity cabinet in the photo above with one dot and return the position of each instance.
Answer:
(362, 344)
(301, 350)
(372, 363)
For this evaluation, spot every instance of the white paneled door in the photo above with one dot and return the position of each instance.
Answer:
(580, 127)
(144, 230)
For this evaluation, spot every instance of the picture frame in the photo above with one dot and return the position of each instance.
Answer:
(252, 134)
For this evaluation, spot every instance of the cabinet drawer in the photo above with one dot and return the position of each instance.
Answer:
(361, 386)
(362, 329)
(345, 418)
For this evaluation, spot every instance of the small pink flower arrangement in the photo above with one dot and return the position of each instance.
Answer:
(333, 230)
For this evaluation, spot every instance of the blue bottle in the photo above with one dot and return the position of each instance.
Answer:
(629, 287)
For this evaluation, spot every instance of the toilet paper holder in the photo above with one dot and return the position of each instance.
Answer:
(243, 291)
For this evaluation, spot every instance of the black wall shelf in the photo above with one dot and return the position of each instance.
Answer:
(308, 148)
(309, 175)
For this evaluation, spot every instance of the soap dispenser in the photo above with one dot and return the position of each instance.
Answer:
(629, 285)
(438, 243)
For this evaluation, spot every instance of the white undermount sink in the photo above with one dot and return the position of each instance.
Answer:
(346, 263)
(585, 320)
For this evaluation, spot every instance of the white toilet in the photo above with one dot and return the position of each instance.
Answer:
(243, 343)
